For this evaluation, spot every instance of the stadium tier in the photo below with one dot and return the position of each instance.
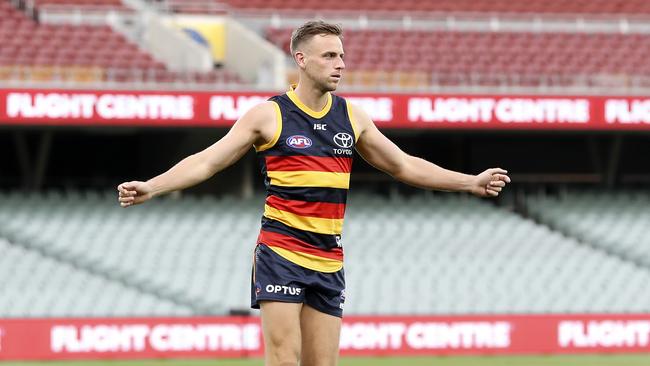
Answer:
(616, 222)
(376, 58)
(32, 51)
(421, 58)
(561, 7)
(442, 254)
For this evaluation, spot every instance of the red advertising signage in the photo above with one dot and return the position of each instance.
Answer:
(221, 109)
(218, 337)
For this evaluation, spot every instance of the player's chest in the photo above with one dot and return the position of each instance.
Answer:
(321, 138)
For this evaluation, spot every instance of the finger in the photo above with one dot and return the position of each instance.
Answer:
(128, 186)
(497, 183)
(125, 188)
(491, 192)
(498, 176)
(498, 171)
(496, 189)
(126, 199)
(502, 177)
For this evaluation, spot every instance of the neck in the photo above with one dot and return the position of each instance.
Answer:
(313, 98)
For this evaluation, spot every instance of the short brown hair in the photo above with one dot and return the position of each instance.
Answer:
(313, 28)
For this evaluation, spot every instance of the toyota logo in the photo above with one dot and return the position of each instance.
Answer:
(343, 139)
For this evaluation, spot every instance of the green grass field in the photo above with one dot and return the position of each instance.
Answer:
(627, 360)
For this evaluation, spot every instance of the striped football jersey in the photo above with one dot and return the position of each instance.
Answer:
(306, 168)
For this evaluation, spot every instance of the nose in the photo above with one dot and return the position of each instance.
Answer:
(340, 65)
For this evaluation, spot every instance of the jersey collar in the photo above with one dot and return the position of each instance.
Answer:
(315, 114)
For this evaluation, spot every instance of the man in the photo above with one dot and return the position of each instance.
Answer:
(304, 140)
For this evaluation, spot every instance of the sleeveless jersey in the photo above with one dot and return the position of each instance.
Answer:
(306, 169)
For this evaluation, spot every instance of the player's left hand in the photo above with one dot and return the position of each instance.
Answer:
(490, 182)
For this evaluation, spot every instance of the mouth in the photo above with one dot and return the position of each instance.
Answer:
(336, 76)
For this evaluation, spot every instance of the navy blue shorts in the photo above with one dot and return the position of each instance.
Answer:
(277, 279)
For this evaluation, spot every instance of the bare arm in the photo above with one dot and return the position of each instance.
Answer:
(256, 127)
(383, 154)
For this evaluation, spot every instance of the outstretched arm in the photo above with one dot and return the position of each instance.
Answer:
(257, 126)
(383, 154)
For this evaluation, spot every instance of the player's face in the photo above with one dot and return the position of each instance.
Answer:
(323, 61)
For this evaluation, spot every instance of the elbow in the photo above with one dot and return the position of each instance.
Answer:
(399, 171)
(402, 168)
(406, 170)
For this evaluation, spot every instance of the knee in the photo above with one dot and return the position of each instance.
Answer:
(281, 351)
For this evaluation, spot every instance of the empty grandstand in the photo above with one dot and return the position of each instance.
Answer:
(437, 254)
(488, 49)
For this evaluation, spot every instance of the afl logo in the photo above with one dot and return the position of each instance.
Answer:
(343, 140)
(299, 142)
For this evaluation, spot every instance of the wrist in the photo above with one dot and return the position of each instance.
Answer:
(154, 190)
(469, 183)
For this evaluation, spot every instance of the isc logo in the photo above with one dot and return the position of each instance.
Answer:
(299, 142)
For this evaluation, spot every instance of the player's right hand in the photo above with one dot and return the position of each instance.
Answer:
(133, 193)
(490, 182)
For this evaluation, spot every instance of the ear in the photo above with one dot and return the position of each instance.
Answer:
(299, 58)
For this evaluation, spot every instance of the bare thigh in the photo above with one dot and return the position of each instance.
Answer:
(320, 337)
(281, 326)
